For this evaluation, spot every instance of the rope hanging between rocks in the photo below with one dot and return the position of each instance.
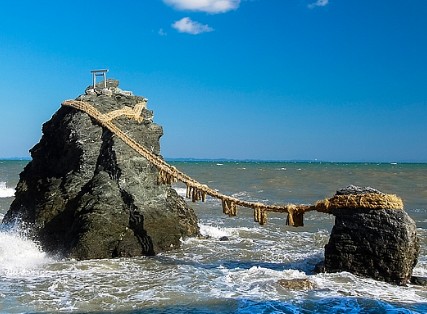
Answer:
(197, 191)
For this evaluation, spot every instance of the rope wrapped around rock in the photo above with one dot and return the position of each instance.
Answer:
(197, 191)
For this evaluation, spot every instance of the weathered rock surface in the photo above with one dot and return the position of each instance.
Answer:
(86, 194)
(297, 284)
(380, 244)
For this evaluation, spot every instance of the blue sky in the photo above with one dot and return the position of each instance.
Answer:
(334, 80)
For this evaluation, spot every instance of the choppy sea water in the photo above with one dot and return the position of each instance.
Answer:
(213, 276)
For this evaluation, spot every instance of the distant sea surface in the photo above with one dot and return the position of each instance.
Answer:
(212, 276)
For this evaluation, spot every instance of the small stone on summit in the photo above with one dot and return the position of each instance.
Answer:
(111, 83)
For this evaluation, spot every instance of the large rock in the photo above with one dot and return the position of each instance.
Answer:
(86, 194)
(376, 243)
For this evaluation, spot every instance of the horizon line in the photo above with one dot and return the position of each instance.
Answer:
(223, 159)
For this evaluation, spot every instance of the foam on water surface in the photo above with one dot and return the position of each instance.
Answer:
(6, 191)
(215, 232)
(18, 255)
(244, 271)
(209, 275)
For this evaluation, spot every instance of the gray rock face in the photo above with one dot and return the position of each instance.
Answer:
(357, 190)
(380, 244)
(86, 194)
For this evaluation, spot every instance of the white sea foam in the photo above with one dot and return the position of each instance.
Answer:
(214, 232)
(181, 191)
(5, 191)
(242, 272)
(19, 255)
(349, 285)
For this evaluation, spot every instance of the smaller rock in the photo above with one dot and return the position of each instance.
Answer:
(111, 83)
(297, 284)
(90, 91)
(419, 281)
(319, 268)
(224, 238)
(122, 92)
(106, 92)
(372, 236)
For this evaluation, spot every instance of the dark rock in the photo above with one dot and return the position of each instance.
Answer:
(356, 190)
(319, 268)
(87, 194)
(380, 244)
(297, 284)
(224, 238)
(419, 281)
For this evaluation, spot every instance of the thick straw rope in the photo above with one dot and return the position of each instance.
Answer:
(134, 113)
(195, 190)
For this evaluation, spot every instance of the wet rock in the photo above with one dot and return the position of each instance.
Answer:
(224, 238)
(297, 284)
(419, 281)
(376, 243)
(319, 268)
(86, 194)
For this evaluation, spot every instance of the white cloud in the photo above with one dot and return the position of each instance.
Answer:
(209, 6)
(186, 25)
(318, 3)
(161, 32)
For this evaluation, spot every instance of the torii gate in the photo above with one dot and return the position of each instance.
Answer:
(96, 73)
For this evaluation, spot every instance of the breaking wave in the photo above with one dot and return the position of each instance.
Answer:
(19, 255)
(5, 191)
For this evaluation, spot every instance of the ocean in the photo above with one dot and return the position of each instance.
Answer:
(208, 275)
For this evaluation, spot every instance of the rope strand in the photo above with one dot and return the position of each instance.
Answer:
(197, 191)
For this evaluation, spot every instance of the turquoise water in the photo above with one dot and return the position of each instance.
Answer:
(212, 276)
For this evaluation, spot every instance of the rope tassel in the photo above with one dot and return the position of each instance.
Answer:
(165, 178)
(225, 208)
(295, 218)
(257, 214)
(233, 209)
(229, 208)
(188, 193)
(196, 194)
(263, 218)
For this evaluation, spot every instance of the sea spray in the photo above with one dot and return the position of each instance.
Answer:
(6, 191)
(18, 254)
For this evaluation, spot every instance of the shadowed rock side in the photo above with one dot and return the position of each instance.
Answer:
(376, 243)
(86, 194)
